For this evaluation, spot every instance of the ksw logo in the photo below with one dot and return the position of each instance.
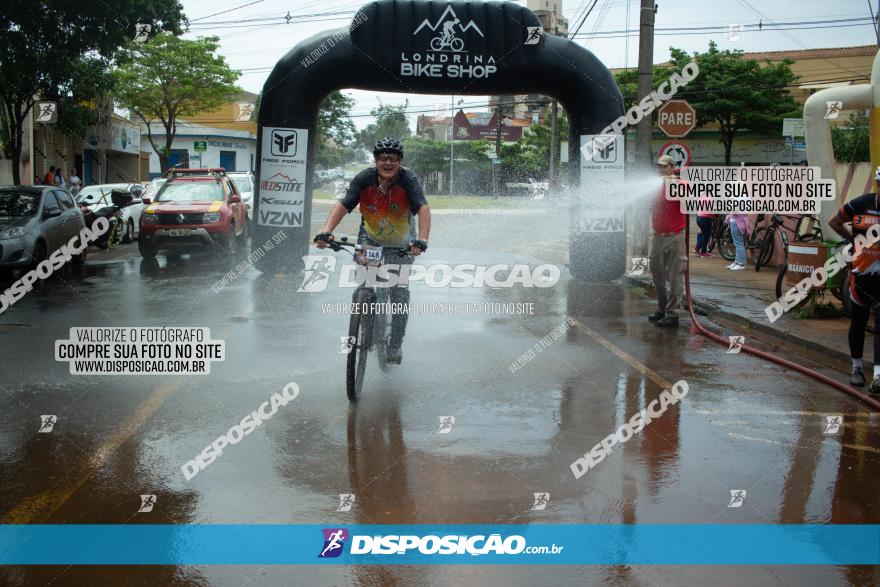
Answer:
(316, 274)
(334, 542)
(278, 202)
(284, 143)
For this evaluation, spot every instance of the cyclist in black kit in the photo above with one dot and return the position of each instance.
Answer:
(390, 198)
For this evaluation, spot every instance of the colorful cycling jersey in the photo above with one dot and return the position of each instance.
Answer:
(386, 219)
(863, 212)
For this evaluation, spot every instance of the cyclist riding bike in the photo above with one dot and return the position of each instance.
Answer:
(390, 198)
(864, 279)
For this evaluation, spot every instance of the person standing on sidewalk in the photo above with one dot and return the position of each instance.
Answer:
(740, 229)
(864, 280)
(667, 251)
(704, 221)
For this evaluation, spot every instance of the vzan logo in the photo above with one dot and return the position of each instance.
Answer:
(446, 55)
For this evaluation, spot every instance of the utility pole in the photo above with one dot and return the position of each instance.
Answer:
(451, 139)
(554, 113)
(496, 165)
(643, 154)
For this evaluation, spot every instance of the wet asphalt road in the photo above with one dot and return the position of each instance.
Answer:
(745, 424)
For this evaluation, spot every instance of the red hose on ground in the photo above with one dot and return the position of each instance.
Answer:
(758, 353)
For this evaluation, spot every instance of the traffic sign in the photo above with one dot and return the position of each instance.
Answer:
(200, 146)
(676, 118)
(678, 151)
(792, 127)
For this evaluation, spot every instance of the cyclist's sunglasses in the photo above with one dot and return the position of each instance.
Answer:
(387, 157)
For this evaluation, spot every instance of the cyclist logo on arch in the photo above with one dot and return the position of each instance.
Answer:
(447, 40)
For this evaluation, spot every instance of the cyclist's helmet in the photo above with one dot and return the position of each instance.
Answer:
(877, 174)
(388, 145)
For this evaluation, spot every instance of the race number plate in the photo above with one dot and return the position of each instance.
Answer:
(370, 256)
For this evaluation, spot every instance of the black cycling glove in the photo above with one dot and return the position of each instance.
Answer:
(324, 236)
(420, 244)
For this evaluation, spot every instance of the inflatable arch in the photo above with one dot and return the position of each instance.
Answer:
(435, 47)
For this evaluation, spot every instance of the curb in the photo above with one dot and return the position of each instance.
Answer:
(828, 356)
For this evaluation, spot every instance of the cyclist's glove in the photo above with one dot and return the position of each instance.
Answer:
(420, 244)
(324, 236)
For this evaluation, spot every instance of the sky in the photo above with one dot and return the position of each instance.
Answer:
(255, 47)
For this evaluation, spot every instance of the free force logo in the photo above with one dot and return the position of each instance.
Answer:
(334, 542)
(284, 143)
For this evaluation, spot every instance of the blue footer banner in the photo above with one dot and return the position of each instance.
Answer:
(240, 544)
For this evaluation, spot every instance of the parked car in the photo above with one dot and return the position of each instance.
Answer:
(195, 209)
(35, 221)
(244, 182)
(95, 197)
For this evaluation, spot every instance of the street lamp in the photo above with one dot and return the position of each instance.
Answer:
(452, 138)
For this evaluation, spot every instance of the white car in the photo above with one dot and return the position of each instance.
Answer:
(152, 188)
(95, 197)
(244, 182)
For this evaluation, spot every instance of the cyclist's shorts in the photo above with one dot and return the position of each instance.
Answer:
(864, 290)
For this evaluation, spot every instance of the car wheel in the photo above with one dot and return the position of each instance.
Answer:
(147, 251)
(129, 231)
(39, 253)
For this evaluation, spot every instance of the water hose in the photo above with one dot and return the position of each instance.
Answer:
(759, 353)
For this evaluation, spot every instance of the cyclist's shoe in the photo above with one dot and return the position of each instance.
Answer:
(393, 355)
(858, 378)
(875, 386)
(667, 322)
(656, 316)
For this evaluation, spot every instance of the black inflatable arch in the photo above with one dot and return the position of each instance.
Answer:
(400, 46)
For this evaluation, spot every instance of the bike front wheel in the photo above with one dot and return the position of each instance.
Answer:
(766, 251)
(360, 330)
(726, 246)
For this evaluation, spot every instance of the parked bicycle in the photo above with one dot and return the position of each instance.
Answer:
(369, 328)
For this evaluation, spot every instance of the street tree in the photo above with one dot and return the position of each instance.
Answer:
(46, 47)
(336, 144)
(169, 78)
(390, 121)
(851, 142)
(736, 93)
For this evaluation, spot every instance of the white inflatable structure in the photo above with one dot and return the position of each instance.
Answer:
(817, 131)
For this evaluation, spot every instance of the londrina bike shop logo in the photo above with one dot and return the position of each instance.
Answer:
(446, 55)
(334, 542)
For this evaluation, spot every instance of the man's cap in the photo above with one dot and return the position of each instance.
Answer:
(666, 160)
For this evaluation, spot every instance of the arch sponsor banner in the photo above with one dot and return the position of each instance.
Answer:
(283, 158)
(603, 173)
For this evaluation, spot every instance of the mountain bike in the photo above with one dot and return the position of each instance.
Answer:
(369, 328)
(720, 236)
(764, 239)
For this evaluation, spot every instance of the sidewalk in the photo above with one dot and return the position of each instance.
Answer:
(740, 297)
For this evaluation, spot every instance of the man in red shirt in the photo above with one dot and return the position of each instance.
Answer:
(667, 255)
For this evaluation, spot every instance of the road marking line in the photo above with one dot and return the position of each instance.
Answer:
(627, 358)
(768, 441)
(37, 509)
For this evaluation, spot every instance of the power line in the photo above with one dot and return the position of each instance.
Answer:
(229, 10)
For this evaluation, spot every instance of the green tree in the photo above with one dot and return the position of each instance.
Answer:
(168, 78)
(737, 94)
(390, 121)
(851, 142)
(335, 132)
(46, 45)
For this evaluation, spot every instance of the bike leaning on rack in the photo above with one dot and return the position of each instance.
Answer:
(369, 328)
